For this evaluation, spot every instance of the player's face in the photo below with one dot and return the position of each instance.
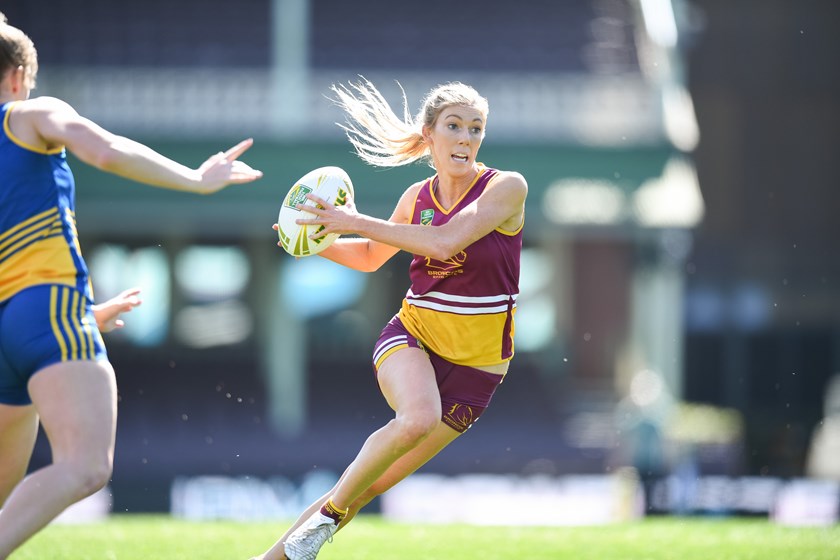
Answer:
(456, 138)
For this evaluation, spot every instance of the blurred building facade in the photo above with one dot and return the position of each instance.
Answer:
(639, 294)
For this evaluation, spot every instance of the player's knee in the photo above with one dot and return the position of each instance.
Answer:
(92, 475)
(99, 474)
(416, 427)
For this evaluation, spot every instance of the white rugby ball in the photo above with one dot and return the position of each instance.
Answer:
(329, 183)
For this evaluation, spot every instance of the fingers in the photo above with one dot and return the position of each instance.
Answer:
(243, 173)
(240, 179)
(130, 299)
(320, 210)
(224, 169)
(130, 292)
(239, 149)
(318, 199)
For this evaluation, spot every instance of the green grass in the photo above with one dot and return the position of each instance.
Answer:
(147, 537)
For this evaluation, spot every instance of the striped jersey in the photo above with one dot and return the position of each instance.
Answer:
(38, 239)
(462, 309)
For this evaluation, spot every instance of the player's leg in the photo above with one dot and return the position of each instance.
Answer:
(315, 506)
(442, 436)
(77, 403)
(404, 466)
(18, 419)
(18, 431)
(408, 383)
(465, 394)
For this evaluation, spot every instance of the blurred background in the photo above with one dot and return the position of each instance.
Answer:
(680, 275)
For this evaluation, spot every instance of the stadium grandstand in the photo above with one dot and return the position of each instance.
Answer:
(230, 369)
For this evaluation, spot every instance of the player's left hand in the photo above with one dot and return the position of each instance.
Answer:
(107, 314)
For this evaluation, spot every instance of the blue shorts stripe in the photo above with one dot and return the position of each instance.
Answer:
(41, 326)
(78, 327)
(88, 348)
(73, 351)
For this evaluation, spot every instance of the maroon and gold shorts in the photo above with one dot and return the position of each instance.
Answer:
(465, 392)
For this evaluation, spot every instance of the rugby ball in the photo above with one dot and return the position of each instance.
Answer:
(329, 183)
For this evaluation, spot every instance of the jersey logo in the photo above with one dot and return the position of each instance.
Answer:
(426, 216)
(448, 267)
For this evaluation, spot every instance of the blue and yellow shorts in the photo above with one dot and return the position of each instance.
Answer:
(41, 326)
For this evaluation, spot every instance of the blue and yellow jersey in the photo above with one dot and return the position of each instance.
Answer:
(38, 239)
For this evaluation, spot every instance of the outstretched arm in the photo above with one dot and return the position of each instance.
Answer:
(58, 124)
(501, 205)
(107, 314)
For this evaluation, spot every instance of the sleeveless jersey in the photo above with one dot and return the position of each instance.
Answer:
(462, 309)
(38, 239)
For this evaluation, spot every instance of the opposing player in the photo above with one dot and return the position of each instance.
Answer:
(439, 360)
(53, 363)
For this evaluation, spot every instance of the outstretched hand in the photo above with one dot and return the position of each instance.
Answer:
(107, 314)
(225, 169)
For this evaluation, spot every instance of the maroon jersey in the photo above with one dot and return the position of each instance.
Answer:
(462, 309)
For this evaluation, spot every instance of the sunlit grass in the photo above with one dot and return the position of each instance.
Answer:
(148, 537)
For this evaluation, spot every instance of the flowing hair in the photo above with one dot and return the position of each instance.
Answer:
(383, 139)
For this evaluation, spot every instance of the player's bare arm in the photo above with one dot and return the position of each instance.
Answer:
(368, 255)
(55, 123)
(501, 205)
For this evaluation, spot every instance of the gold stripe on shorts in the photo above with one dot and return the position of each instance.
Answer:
(59, 336)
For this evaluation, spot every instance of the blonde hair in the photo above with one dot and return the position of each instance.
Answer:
(382, 138)
(17, 49)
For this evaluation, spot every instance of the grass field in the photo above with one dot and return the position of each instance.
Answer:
(147, 537)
